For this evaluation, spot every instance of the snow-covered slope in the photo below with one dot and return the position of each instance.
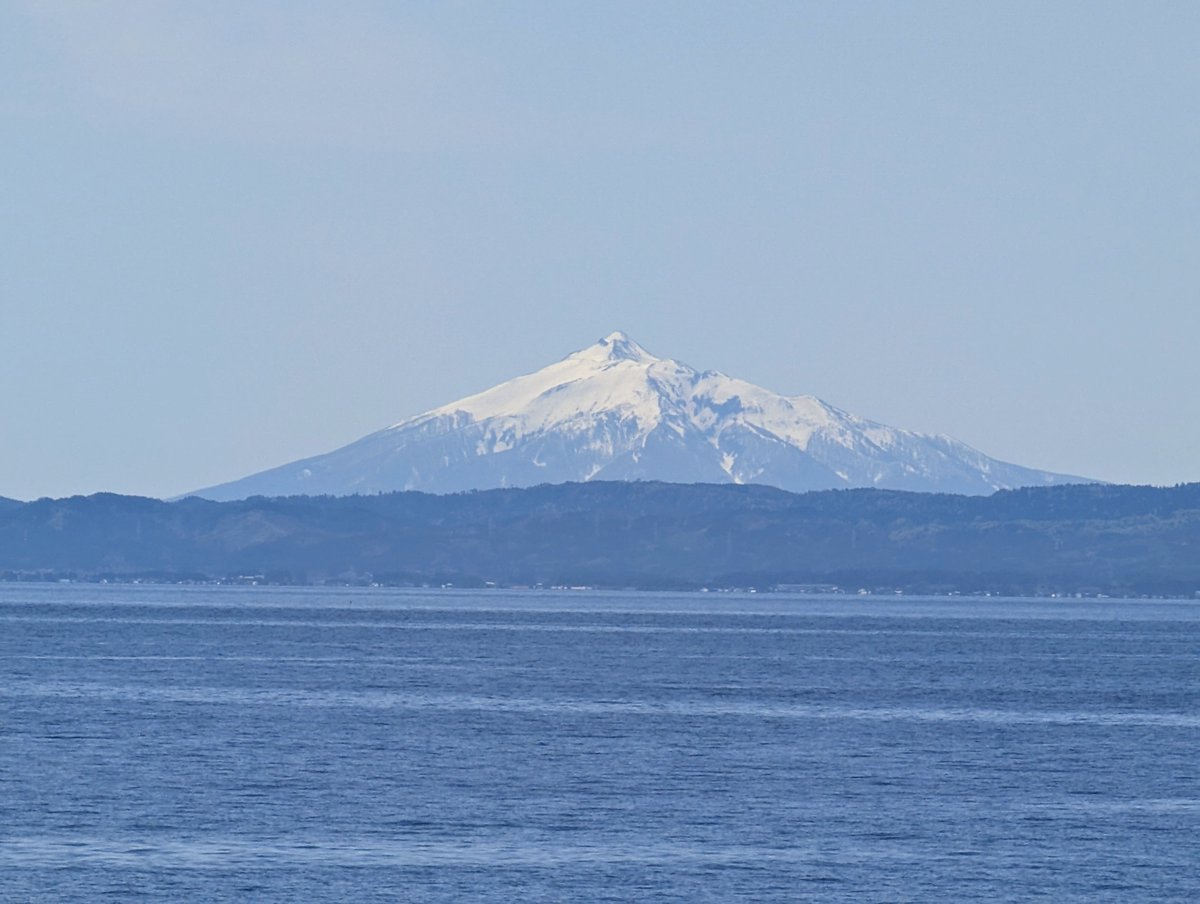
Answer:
(613, 411)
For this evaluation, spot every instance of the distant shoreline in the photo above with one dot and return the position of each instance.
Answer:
(849, 594)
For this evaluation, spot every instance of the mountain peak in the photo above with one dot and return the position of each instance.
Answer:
(616, 346)
(613, 411)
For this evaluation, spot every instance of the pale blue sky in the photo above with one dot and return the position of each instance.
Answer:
(235, 234)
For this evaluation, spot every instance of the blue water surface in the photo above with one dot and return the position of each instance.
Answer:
(269, 744)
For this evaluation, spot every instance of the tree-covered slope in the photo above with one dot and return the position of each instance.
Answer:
(1094, 538)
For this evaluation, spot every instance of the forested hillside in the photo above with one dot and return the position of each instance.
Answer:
(1086, 538)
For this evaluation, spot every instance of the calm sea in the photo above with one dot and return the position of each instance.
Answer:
(265, 744)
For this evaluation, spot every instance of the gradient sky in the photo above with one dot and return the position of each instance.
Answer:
(235, 234)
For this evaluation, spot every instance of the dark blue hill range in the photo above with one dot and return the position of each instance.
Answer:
(613, 411)
(1076, 538)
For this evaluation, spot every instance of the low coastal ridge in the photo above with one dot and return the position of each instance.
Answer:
(1090, 539)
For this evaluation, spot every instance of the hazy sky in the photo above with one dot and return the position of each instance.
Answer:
(235, 234)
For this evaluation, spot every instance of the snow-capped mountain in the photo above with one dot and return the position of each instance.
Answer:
(613, 411)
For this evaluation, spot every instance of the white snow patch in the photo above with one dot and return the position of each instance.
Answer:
(727, 461)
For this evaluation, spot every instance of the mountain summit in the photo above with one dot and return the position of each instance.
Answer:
(613, 411)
